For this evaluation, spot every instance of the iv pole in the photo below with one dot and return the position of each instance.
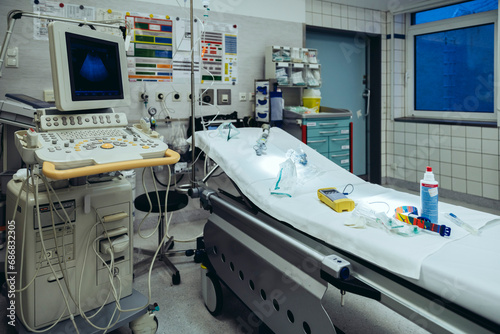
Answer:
(193, 153)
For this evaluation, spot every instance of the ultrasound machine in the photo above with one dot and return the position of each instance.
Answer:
(72, 208)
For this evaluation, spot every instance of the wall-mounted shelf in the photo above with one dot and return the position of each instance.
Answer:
(293, 67)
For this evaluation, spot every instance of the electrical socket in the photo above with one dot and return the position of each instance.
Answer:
(243, 97)
(160, 96)
(223, 96)
(176, 97)
(48, 95)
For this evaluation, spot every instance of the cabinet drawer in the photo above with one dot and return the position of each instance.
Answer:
(340, 143)
(320, 144)
(332, 131)
(340, 158)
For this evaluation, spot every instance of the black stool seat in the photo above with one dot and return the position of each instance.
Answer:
(175, 201)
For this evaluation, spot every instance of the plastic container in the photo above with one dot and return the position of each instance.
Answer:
(429, 196)
(312, 99)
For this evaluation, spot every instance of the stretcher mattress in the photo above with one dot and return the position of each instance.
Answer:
(462, 268)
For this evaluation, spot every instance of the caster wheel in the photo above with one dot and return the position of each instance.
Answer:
(213, 299)
(171, 245)
(176, 279)
(199, 255)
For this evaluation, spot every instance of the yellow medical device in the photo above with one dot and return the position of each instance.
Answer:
(335, 199)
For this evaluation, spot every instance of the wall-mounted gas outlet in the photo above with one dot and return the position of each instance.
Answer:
(176, 97)
(160, 96)
(207, 96)
(223, 96)
(143, 96)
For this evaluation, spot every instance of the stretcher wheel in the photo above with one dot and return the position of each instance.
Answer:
(213, 302)
(176, 279)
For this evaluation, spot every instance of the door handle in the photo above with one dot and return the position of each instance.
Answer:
(366, 94)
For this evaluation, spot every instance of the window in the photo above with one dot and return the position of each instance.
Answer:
(451, 62)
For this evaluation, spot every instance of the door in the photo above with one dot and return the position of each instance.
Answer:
(344, 83)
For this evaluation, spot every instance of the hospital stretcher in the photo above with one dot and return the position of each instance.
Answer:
(278, 254)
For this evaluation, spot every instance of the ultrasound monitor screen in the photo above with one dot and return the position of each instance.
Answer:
(94, 67)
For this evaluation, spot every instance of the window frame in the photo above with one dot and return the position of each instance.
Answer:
(444, 25)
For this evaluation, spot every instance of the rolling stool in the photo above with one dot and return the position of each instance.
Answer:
(176, 202)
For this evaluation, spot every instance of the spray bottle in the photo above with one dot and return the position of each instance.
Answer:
(429, 196)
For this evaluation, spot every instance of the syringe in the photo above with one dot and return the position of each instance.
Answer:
(461, 223)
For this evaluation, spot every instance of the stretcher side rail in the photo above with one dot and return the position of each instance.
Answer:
(231, 223)
(424, 308)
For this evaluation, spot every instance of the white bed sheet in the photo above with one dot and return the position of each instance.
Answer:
(405, 256)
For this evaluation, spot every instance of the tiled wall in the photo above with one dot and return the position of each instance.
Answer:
(465, 159)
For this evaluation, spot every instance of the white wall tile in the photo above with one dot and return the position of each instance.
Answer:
(445, 182)
(458, 131)
(422, 139)
(473, 159)
(458, 157)
(459, 185)
(445, 130)
(352, 24)
(473, 132)
(473, 145)
(345, 23)
(474, 174)
(435, 141)
(336, 11)
(336, 22)
(360, 25)
(423, 128)
(490, 176)
(309, 6)
(490, 133)
(317, 19)
(458, 171)
(434, 154)
(490, 146)
(411, 176)
(360, 13)
(491, 191)
(474, 188)
(411, 152)
(368, 15)
(490, 161)
(345, 11)
(410, 138)
(410, 127)
(400, 18)
(327, 21)
(445, 168)
(327, 8)
(351, 12)
(445, 155)
(317, 6)
(434, 129)
(309, 18)
(445, 142)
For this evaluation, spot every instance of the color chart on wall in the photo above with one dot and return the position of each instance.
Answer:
(150, 50)
(219, 53)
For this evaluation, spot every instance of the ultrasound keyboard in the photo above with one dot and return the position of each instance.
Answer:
(70, 143)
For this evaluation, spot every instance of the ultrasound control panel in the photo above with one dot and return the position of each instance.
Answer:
(79, 140)
(81, 121)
